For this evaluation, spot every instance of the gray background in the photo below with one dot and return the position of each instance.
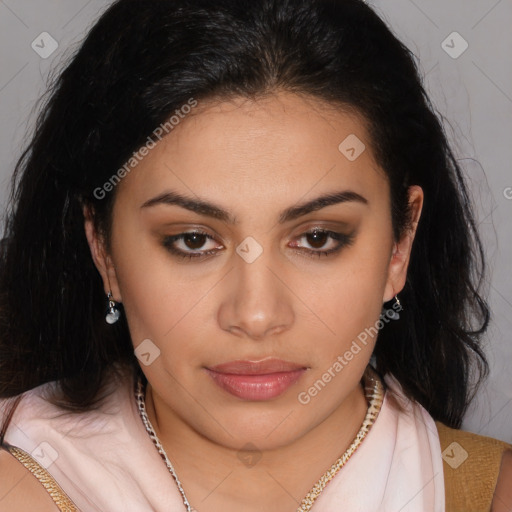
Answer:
(473, 91)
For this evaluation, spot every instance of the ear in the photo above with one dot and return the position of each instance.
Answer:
(101, 258)
(397, 270)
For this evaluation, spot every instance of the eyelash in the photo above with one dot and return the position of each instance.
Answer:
(344, 241)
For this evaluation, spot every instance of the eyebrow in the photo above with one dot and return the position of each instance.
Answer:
(294, 212)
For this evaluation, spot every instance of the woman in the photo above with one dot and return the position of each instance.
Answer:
(245, 188)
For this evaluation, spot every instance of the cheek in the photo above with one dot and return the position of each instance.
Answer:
(158, 306)
(165, 303)
(155, 294)
(348, 301)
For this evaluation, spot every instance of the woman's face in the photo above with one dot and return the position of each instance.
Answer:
(254, 285)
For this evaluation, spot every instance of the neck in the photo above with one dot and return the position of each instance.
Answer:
(216, 477)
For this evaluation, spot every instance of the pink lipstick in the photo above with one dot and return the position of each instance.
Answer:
(256, 380)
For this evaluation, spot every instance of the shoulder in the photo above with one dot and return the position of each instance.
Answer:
(502, 501)
(19, 489)
(475, 467)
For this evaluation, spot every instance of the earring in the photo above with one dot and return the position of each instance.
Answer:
(393, 312)
(113, 314)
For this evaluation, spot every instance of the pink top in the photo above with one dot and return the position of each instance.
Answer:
(105, 461)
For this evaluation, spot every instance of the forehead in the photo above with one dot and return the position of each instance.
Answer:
(260, 151)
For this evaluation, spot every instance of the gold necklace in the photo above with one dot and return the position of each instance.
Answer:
(374, 393)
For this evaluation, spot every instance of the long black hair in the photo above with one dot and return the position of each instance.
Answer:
(140, 63)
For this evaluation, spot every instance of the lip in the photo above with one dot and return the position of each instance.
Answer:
(261, 367)
(256, 380)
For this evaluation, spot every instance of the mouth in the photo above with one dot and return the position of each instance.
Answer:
(256, 380)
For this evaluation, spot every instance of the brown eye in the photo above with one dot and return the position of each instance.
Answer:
(318, 238)
(194, 240)
(190, 241)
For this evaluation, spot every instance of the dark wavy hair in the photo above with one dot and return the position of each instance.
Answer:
(141, 61)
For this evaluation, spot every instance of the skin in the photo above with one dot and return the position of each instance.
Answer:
(502, 501)
(254, 159)
(19, 489)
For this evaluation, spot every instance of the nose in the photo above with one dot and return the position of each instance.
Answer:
(257, 302)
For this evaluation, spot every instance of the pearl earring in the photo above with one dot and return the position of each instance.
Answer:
(113, 314)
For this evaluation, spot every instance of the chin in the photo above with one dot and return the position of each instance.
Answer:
(270, 432)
